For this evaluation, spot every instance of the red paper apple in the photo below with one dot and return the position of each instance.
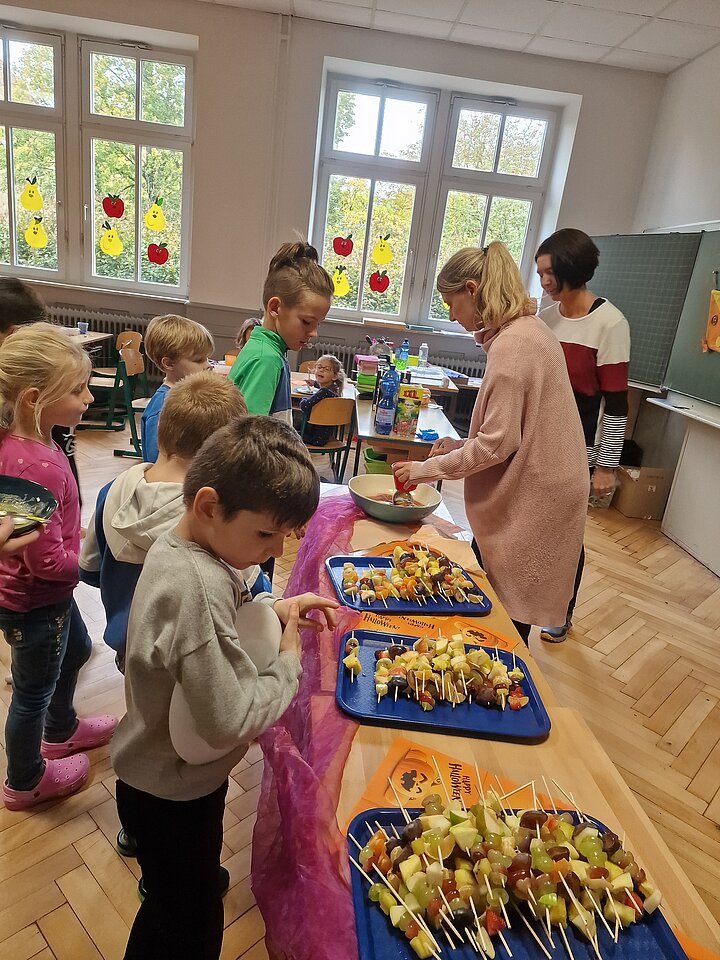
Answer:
(343, 246)
(113, 206)
(379, 282)
(158, 253)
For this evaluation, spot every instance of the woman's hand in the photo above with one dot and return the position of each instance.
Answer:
(306, 602)
(444, 445)
(8, 547)
(403, 472)
(602, 482)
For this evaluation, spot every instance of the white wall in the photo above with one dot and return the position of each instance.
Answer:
(255, 140)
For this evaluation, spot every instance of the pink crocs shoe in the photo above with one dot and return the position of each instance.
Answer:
(60, 778)
(90, 732)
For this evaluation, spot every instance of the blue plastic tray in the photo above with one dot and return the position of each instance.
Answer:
(650, 939)
(531, 724)
(441, 608)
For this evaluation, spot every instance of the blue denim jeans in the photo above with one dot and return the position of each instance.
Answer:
(49, 645)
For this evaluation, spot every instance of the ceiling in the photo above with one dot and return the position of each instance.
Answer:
(657, 35)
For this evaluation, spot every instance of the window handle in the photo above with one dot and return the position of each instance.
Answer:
(85, 212)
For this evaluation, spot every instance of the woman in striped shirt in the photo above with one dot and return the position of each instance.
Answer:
(595, 337)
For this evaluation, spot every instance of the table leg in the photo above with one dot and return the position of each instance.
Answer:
(452, 407)
(357, 457)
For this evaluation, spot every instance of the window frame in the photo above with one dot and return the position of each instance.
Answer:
(434, 177)
(140, 133)
(29, 116)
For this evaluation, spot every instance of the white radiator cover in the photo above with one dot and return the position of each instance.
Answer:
(102, 321)
(346, 353)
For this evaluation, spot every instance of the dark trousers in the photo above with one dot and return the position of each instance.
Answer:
(178, 849)
(522, 628)
(65, 439)
(578, 578)
(48, 646)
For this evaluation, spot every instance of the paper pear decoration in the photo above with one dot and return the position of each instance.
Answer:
(30, 198)
(110, 242)
(381, 252)
(35, 235)
(154, 219)
(340, 282)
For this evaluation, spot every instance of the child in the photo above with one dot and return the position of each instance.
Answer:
(330, 379)
(249, 486)
(178, 347)
(19, 304)
(296, 298)
(43, 384)
(243, 334)
(146, 501)
(9, 547)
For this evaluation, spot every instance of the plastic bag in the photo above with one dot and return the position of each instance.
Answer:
(300, 872)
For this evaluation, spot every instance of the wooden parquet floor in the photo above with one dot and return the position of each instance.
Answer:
(642, 667)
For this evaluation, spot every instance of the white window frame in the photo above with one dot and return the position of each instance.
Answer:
(434, 177)
(388, 169)
(140, 133)
(30, 116)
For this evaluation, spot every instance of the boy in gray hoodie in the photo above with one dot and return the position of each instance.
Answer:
(251, 485)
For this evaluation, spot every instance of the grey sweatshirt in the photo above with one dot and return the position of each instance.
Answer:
(182, 630)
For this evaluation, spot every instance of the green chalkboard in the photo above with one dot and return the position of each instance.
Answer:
(647, 277)
(691, 371)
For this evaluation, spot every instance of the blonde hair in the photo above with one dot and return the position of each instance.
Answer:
(337, 369)
(194, 409)
(41, 356)
(501, 294)
(245, 331)
(176, 338)
(294, 272)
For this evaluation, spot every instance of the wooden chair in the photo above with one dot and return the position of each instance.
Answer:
(305, 366)
(337, 412)
(126, 338)
(129, 372)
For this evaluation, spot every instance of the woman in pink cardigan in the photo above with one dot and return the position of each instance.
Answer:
(524, 462)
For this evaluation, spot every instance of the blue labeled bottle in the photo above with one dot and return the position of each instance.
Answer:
(401, 361)
(385, 413)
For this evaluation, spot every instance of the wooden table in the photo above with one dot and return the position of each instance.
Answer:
(301, 380)
(90, 339)
(400, 448)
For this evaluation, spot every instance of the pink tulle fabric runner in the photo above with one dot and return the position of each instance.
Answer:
(300, 875)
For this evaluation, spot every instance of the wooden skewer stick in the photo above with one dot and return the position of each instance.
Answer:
(357, 844)
(535, 803)
(416, 917)
(442, 782)
(449, 939)
(505, 943)
(516, 790)
(505, 914)
(480, 786)
(567, 796)
(532, 933)
(500, 789)
(617, 919)
(565, 941)
(547, 791)
(596, 908)
(578, 906)
(405, 814)
(475, 943)
(448, 920)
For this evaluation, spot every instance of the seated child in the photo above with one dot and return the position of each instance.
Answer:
(330, 379)
(146, 501)
(178, 347)
(246, 329)
(250, 485)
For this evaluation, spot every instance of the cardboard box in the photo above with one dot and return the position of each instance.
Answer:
(642, 492)
(407, 412)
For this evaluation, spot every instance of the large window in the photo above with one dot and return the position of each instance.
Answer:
(136, 150)
(408, 176)
(131, 112)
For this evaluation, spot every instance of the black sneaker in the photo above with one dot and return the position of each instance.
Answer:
(126, 845)
(223, 884)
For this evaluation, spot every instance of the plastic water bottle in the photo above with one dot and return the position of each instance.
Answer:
(385, 414)
(423, 355)
(403, 354)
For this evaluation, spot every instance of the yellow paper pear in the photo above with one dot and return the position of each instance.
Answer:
(110, 242)
(341, 286)
(35, 235)
(30, 198)
(154, 219)
(381, 252)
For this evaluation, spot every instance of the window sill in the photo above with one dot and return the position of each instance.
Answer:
(106, 291)
(392, 326)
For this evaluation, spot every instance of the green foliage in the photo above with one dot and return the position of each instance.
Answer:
(476, 141)
(163, 92)
(34, 156)
(32, 74)
(113, 85)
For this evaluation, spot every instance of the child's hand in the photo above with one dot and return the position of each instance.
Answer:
(305, 603)
(291, 639)
(8, 548)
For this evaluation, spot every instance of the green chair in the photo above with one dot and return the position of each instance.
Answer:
(120, 395)
(337, 412)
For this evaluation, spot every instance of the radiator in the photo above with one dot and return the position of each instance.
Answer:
(472, 366)
(345, 352)
(101, 321)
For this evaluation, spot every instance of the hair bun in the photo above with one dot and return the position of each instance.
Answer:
(291, 253)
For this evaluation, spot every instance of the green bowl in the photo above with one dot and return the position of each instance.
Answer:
(24, 496)
(365, 487)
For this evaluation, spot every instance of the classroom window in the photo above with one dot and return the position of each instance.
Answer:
(30, 152)
(137, 144)
(396, 195)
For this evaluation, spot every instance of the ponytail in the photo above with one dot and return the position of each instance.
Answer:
(294, 272)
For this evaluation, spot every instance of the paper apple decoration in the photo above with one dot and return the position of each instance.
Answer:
(343, 246)
(379, 282)
(158, 253)
(113, 206)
